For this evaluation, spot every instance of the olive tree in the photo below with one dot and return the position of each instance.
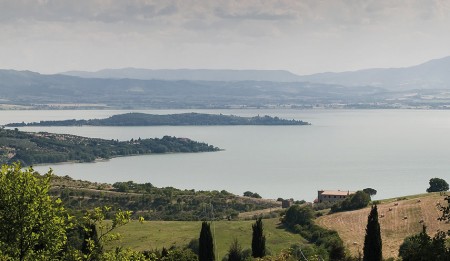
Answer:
(32, 224)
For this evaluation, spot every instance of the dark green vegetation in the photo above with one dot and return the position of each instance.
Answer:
(235, 251)
(206, 244)
(356, 201)
(154, 203)
(34, 148)
(251, 194)
(300, 219)
(31, 223)
(422, 247)
(183, 119)
(258, 239)
(437, 185)
(372, 240)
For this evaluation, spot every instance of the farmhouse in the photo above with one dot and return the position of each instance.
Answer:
(332, 195)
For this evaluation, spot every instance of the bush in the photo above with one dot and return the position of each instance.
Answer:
(356, 201)
(298, 215)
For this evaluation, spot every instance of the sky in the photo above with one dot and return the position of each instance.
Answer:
(301, 36)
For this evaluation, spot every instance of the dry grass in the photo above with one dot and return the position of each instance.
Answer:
(394, 226)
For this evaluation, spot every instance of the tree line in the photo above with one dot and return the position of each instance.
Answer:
(182, 119)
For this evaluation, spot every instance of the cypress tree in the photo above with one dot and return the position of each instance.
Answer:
(206, 245)
(372, 241)
(258, 239)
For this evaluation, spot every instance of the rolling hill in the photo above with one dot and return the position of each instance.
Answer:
(404, 219)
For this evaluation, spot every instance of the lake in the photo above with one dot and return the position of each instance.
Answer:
(395, 152)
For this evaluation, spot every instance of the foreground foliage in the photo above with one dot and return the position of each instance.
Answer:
(423, 247)
(32, 224)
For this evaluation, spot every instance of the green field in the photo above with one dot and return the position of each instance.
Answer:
(159, 234)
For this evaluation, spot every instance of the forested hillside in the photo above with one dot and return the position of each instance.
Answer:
(34, 148)
(183, 119)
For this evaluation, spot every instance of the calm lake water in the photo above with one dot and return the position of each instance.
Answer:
(395, 152)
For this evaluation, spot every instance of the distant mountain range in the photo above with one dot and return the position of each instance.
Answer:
(434, 74)
(421, 86)
(190, 75)
(33, 89)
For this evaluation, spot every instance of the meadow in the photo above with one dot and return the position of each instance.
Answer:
(158, 234)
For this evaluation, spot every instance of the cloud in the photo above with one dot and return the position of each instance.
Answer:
(109, 11)
(305, 34)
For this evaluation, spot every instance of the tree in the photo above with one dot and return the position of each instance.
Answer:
(437, 184)
(336, 249)
(258, 239)
(370, 191)
(206, 245)
(356, 201)
(298, 215)
(235, 251)
(251, 194)
(423, 247)
(372, 241)
(33, 225)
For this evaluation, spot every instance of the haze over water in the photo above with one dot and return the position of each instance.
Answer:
(395, 152)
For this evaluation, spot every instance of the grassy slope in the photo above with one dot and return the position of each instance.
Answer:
(394, 228)
(158, 234)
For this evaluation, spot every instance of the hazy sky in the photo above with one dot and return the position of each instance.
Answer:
(301, 36)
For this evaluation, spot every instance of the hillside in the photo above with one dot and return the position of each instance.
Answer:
(155, 203)
(394, 226)
(35, 148)
(183, 119)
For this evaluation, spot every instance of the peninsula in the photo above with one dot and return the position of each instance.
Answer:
(183, 119)
(43, 147)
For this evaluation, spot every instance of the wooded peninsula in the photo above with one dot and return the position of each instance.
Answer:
(182, 119)
(42, 147)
